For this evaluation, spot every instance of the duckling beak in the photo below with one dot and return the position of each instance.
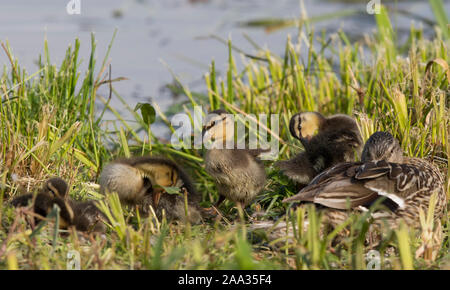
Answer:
(203, 131)
(157, 196)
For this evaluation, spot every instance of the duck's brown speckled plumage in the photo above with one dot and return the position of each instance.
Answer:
(406, 186)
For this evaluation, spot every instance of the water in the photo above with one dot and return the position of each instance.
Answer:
(153, 34)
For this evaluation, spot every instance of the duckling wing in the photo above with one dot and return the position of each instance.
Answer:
(256, 152)
(299, 168)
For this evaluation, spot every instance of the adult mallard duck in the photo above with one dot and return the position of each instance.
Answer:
(327, 142)
(141, 180)
(405, 184)
(84, 216)
(238, 173)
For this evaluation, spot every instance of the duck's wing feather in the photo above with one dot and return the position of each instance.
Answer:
(357, 184)
(336, 188)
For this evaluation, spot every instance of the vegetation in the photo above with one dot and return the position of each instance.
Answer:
(51, 123)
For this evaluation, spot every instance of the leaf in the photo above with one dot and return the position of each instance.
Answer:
(84, 159)
(404, 247)
(147, 111)
(124, 142)
(386, 33)
(172, 189)
(442, 63)
(70, 134)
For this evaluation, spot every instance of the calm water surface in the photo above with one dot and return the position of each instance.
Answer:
(153, 33)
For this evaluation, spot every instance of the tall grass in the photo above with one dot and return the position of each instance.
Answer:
(50, 126)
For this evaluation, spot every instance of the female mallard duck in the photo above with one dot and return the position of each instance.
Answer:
(141, 181)
(239, 174)
(405, 184)
(85, 216)
(327, 142)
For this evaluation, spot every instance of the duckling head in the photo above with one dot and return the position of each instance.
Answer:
(57, 187)
(304, 126)
(219, 126)
(130, 183)
(382, 146)
(158, 175)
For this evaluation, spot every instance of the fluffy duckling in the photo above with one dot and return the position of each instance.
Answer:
(88, 217)
(53, 192)
(405, 184)
(239, 174)
(327, 142)
(140, 181)
(85, 216)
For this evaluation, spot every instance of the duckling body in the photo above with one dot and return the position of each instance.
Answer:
(85, 216)
(140, 181)
(238, 173)
(327, 142)
(405, 184)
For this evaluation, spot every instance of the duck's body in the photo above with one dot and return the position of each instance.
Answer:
(140, 181)
(84, 216)
(238, 173)
(405, 184)
(327, 142)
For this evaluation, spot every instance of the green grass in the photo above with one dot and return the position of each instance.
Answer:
(50, 125)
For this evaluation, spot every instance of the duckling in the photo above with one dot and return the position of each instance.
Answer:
(327, 142)
(239, 174)
(53, 192)
(88, 217)
(405, 184)
(140, 181)
(85, 216)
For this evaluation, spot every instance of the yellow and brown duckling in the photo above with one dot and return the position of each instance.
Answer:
(84, 216)
(141, 180)
(405, 184)
(327, 142)
(238, 173)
